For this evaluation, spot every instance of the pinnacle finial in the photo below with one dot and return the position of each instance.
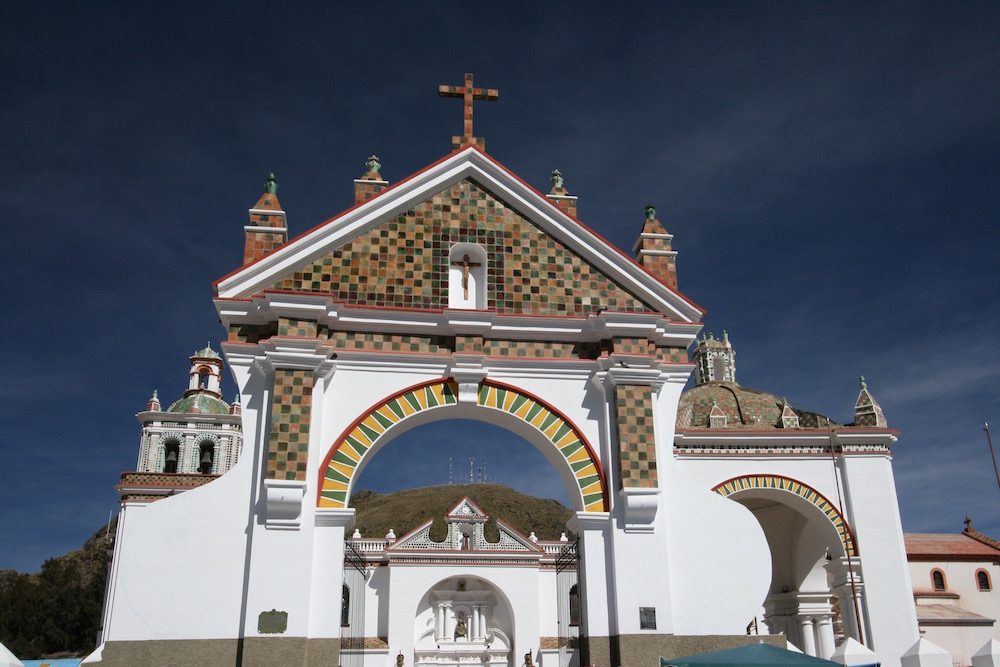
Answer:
(864, 385)
(155, 396)
(650, 212)
(557, 179)
(271, 187)
(373, 164)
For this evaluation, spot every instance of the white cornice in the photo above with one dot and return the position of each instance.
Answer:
(267, 211)
(325, 311)
(466, 164)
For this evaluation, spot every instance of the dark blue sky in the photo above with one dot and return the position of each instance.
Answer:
(830, 172)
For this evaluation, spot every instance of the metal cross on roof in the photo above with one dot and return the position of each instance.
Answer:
(468, 93)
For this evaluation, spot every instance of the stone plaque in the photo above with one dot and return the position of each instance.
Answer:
(272, 622)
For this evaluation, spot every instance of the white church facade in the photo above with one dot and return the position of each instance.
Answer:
(463, 293)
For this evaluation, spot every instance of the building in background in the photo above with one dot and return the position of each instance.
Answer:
(954, 579)
(196, 439)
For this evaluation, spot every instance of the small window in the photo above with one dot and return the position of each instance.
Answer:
(574, 605)
(983, 580)
(647, 618)
(937, 576)
(345, 607)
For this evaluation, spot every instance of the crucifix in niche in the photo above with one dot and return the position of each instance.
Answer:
(465, 264)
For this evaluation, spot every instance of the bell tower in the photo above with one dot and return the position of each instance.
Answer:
(714, 360)
(206, 373)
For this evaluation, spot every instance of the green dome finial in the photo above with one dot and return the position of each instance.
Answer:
(155, 396)
(864, 385)
(650, 212)
(271, 187)
(557, 179)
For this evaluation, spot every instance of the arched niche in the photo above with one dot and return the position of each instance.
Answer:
(462, 620)
(467, 276)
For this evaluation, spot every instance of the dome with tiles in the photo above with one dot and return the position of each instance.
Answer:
(705, 405)
(200, 403)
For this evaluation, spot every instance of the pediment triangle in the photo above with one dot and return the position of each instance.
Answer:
(512, 534)
(466, 510)
(393, 251)
(419, 536)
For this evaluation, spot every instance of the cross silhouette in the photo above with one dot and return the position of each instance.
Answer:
(468, 93)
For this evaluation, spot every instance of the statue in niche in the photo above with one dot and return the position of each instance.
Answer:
(460, 628)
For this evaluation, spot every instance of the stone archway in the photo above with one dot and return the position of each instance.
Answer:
(811, 543)
(503, 404)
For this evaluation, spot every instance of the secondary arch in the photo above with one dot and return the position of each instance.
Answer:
(510, 407)
(750, 483)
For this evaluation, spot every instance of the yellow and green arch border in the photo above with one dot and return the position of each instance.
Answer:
(341, 463)
(787, 484)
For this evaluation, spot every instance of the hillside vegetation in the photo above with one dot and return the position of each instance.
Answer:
(403, 511)
(57, 611)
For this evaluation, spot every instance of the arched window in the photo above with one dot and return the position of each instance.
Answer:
(206, 457)
(937, 577)
(171, 452)
(983, 580)
(574, 605)
(345, 607)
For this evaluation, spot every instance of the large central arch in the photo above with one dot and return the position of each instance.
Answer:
(383, 421)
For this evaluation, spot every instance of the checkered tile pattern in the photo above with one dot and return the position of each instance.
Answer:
(296, 328)
(636, 438)
(349, 340)
(469, 344)
(405, 263)
(634, 346)
(251, 333)
(259, 244)
(288, 447)
(673, 355)
(530, 349)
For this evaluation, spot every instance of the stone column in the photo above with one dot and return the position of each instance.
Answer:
(808, 635)
(824, 637)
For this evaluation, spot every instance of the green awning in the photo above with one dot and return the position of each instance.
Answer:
(751, 655)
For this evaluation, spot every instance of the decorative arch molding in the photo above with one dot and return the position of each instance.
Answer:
(341, 464)
(804, 491)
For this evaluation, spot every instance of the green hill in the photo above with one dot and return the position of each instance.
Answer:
(403, 511)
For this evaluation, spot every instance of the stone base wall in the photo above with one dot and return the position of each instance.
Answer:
(253, 652)
(647, 649)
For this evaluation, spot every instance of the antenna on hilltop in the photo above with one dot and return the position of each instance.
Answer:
(449, 471)
(472, 478)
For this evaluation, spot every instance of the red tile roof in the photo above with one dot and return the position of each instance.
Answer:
(937, 546)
